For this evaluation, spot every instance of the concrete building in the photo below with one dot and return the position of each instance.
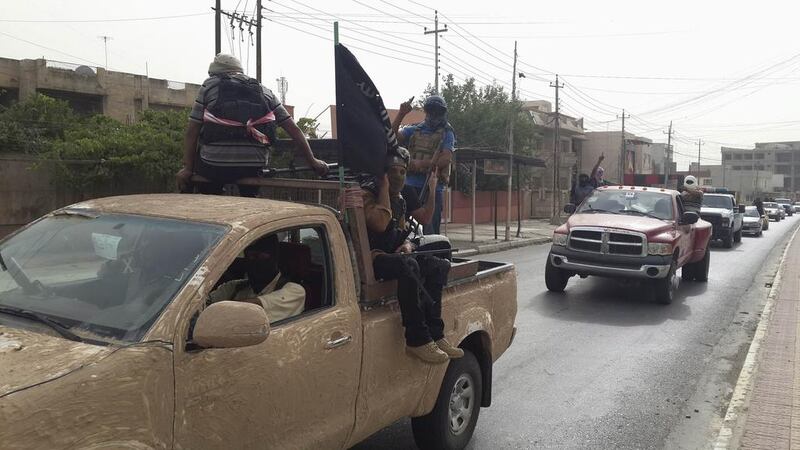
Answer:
(749, 184)
(779, 158)
(661, 158)
(571, 137)
(92, 90)
(639, 157)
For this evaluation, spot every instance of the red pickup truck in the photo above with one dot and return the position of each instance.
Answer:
(631, 232)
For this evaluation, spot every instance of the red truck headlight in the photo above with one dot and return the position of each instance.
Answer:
(657, 248)
(559, 239)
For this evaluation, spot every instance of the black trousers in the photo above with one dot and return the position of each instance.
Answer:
(421, 313)
(220, 176)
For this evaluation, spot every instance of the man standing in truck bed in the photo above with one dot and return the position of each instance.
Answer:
(231, 127)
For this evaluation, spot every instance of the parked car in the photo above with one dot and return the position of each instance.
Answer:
(630, 232)
(753, 222)
(796, 207)
(786, 204)
(725, 216)
(774, 212)
(108, 337)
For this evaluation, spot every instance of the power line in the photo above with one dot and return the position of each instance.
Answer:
(136, 19)
(51, 49)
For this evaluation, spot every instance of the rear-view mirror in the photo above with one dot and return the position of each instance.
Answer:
(689, 217)
(230, 324)
(569, 208)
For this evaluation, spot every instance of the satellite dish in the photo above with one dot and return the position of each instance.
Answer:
(85, 71)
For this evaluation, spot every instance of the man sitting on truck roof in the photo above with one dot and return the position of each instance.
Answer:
(264, 284)
(386, 214)
(231, 127)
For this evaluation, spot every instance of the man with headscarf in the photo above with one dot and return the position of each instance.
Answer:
(231, 127)
(264, 284)
(596, 177)
(420, 278)
(431, 145)
(691, 194)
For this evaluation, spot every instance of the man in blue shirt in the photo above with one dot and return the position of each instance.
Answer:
(431, 145)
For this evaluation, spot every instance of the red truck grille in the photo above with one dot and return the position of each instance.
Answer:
(607, 242)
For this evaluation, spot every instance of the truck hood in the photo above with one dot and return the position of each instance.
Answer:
(630, 222)
(31, 358)
(718, 211)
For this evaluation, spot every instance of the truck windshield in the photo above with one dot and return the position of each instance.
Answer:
(617, 201)
(103, 277)
(717, 201)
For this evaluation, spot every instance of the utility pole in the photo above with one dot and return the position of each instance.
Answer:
(556, 144)
(511, 141)
(217, 28)
(283, 87)
(622, 149)
(435, 32)
(105, 47)
(667, 154)
(258, 41)
(699, 143)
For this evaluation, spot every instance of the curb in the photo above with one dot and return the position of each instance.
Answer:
(500, 246)
(744, 383)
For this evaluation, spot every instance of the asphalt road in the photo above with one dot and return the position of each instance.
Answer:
(603, 366)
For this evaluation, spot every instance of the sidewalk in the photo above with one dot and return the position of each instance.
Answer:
(533, 231)
(771, 413)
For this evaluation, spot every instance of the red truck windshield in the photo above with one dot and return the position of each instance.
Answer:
(617, 201)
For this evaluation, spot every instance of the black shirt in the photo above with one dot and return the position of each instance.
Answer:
(413, 203)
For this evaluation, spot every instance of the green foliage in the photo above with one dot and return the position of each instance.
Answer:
(480, 117)
(97, 151)
(308, 126)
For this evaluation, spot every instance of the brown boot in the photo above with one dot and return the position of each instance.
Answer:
(452, 352)
(429, 353)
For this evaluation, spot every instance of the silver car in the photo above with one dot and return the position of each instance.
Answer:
(753, 223)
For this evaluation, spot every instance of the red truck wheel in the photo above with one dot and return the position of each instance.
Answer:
(554, 278)
(665, 287)
(451, 423)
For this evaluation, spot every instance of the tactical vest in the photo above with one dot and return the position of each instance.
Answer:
(424, 145)
(240, 99)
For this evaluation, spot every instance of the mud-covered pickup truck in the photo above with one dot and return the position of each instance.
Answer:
(630, 232)
(108, 338)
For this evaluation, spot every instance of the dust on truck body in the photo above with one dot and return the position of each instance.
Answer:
(171, 372)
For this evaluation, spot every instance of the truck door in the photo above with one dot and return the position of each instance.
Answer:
(298, 388)
(686, 237)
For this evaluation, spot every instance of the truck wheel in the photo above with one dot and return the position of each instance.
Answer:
(688, 272)
(554, 278)
(452, 421)
(737, 237)
(727, 242)
(665, 287)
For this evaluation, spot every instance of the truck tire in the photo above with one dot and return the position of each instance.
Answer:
(699, 269)
(451, 423)
(554, 278)
(737, 237)
(727, 241)
(665, 288)
(688, 272)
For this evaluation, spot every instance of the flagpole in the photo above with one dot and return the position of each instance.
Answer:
(341, 159)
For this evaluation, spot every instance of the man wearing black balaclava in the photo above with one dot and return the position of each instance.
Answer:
(431, 145)
(264, 285)
(420, 278)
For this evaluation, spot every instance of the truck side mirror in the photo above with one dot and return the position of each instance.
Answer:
(569, 208)
(688, 218)
(741, 209)
(230, 324)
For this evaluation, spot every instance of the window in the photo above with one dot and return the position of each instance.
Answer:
(737, 167)
(783, 170)
(759, 156)
(288, 273)
(726, 156)
(783, 157)
(737, 156)
(748, 156)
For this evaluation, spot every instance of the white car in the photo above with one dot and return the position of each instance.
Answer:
(796, 206)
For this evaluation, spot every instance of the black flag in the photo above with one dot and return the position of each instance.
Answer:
(363, 127)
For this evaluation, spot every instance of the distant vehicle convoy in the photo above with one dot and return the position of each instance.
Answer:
(630, 232)
(786, 204)
(726, 218)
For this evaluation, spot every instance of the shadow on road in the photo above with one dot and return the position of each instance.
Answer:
(612, 302)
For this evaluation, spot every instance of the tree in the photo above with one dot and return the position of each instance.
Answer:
(308, 126)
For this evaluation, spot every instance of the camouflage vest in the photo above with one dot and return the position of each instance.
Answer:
(424, 145)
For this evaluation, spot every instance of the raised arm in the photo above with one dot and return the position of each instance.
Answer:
(405, 108)
(597, 165)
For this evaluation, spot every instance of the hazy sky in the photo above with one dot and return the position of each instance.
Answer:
(727, 72)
